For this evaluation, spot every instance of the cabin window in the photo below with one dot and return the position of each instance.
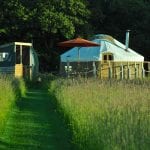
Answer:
(4, 56)
(107, 57)
(110, 57)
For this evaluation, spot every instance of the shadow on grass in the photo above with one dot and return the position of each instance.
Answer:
(35, 124)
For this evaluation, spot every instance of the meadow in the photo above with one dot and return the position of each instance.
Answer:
(11, 89)
(100, 115)
(106, 115)
(28, 118)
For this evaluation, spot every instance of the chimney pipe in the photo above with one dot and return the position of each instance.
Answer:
(127, 40)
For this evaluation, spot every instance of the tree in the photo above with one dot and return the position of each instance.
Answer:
(113, 17)
(46, 22)
(56, 19)
(12, 18)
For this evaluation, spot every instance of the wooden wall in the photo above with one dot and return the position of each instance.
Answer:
(18, 70)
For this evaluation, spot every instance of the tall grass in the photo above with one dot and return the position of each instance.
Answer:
(10, 90)
(106, 115)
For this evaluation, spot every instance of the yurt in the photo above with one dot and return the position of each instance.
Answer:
(111, 59)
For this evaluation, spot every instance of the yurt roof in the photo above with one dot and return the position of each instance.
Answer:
(107, 45)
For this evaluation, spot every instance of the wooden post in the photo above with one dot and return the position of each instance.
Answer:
(68, 68)
(100, 67)
(109, 71)
(135, 70)
(94, 69)
(31, 65)
(68, 65)
(121, 72)
(148, 63)
(143, 71)
(21, 54)
(128, 72)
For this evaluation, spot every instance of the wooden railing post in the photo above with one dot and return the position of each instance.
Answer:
(94, 69)
(148, 63)
(128, 71)
(109, 71)
(143, 71)
(99, 70)
(121, 72)
(135, 70)
(68, 68)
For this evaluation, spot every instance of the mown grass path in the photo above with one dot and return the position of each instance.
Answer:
(34, 124)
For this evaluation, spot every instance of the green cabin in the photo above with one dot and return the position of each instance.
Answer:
(19, 59)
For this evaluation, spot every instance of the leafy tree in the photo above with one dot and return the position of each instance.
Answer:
(50, 21)
(113, 17)
(46, 22)
(56, 19)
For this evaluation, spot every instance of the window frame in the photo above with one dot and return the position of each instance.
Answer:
(107, 57)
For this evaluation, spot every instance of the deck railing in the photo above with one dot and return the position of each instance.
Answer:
(118, 70)
(125, 70)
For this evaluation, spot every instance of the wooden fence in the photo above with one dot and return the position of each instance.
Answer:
(124, 70)
(110, 69)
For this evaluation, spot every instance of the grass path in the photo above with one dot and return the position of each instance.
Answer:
(35, 125)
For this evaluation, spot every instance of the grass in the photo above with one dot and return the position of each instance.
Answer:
(106, 114)
(35, 124)
(10, 90)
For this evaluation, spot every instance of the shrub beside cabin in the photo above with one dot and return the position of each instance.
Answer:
(111, 59)
(19, 59)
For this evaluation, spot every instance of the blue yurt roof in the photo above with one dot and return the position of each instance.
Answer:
(107, 45)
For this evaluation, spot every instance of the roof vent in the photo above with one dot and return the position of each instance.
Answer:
(127, 40)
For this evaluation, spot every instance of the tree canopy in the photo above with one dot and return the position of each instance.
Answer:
(114, 17)
(50, 21)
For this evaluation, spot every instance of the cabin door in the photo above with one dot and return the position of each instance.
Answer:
(26, 61)
(22, 66)
(107, 62)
